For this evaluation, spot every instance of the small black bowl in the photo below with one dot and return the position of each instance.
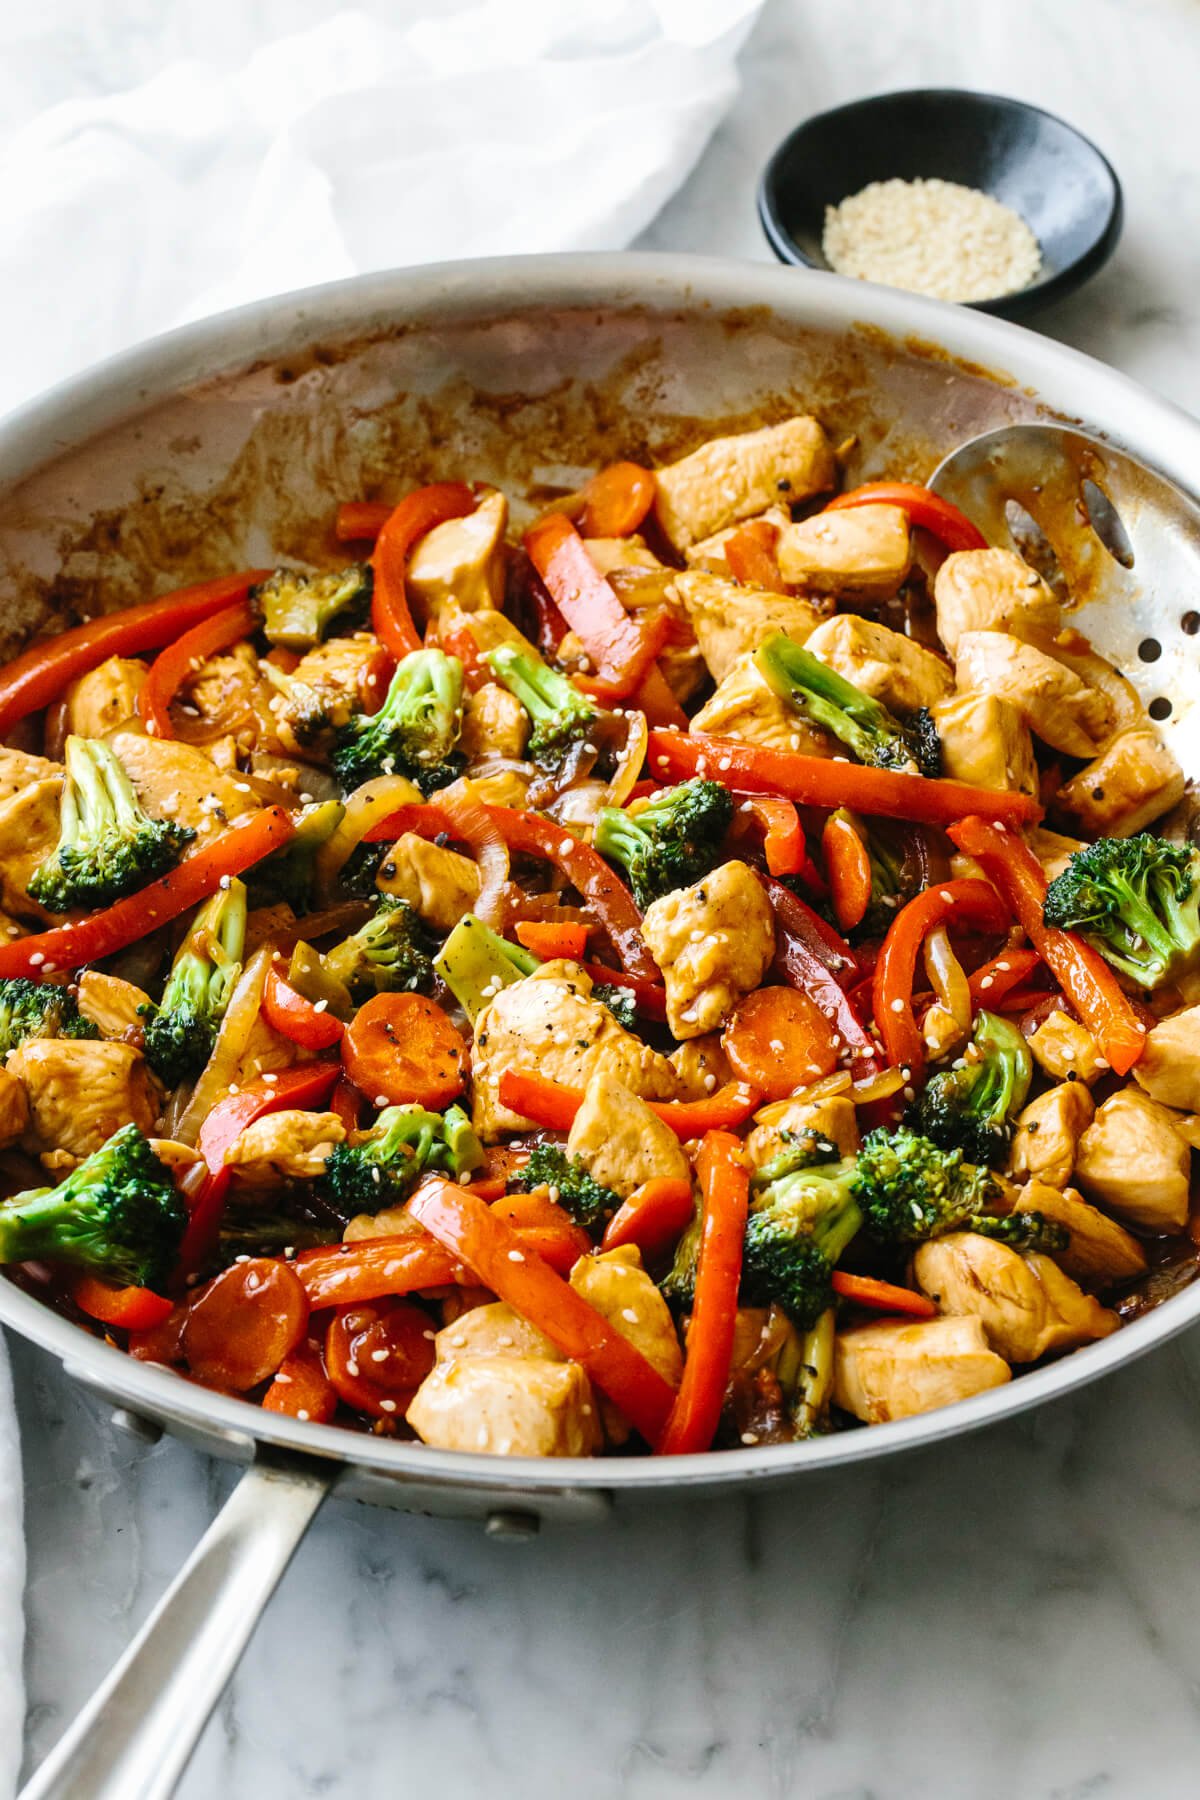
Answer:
(1063, 187)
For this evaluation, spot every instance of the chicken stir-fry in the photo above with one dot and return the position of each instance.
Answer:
(710, 965)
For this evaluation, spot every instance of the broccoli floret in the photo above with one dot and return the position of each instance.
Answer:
(1137, 901)
(475, 963)
(181, 1030)
(388, 954)
(405, 1141)
(107, 845)
(972, 1108)
(415, 730)
(298, 609)
(864, 725)
(118, 1215)
(288, 876)
(560, 714)
(911, 1190)
(672, 841)
(619, 1001)
(811, 1390)
(36, 1009)
(570, 1184)
(801, 1220)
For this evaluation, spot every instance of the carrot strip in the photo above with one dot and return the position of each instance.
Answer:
(725, 1194)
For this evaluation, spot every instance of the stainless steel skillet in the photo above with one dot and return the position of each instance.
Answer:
(228, 441)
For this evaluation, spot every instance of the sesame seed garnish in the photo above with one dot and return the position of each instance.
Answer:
(516, 1256)
(897, 1006)
(387, 1406)
(302, 1412)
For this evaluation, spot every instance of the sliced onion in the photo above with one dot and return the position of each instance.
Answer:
(946, 975)
(877, 1087)
(233, 1036)
(633, 757)
(827, 1088)
(368, 805)
(473, 827)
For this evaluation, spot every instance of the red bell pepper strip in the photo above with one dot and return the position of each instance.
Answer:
(131, 1308)
(783, 837)
(822, 781)
(925, 508)
(409, 1263)
(995, 980)
(224, 1125)
(622, 653)
(417, 514)
(457, 639)
(849, 869)
(750, 554)
(301, 1022)
(968, 902)
(549, 940)
(469, 1228)
(882, 1296)
(805, 959)
(530, 835)
(653, 1216)
(650, 997)
(358, 521)
(182, 888)
(36, 677)
(172, 666)
(347, 1103)
(553, 1104)
(725, 1194)
(544, 1226)
(616, 500)
(1080, 971)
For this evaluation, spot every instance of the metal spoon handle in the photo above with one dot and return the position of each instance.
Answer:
(135, 1736)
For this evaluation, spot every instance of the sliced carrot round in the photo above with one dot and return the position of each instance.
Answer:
(378, 1355)
(402, 1047)
(301, 1388)
(616, 500)
(779, 1040)
(244, 1323)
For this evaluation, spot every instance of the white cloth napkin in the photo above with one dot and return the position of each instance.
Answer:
(143, 184)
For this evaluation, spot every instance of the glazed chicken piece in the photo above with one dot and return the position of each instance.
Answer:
(438, 883)
(881, 662)
(730, 620)
(1134, 782)
(1027, 1306)
(733, 478)
(1066, 1050)
(701, 1066)
(494, 723)
(508, 1405)
(989, 590)
(620, 1141)
(1169, 1067)
(1052, 849)
(862, 550)
(462, 561)
(80, 1090)
(1100, 1251)
(14, 1109)
(896, 1370)
(709, 553)
(834, 1118)
(986, 743)
(1048, 1134)
(746, 706)
(714, 942)
(494, 1330)
(177, 781)
(28, 835)
(1133, 1161)
(1056, 703)
(19, 770)
(105, 698)
(230, 694)
(549, 1024)
(118, 1009)
(615, 1283)
(327, 686)
(284, 1146)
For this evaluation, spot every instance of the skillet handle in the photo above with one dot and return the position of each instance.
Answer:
(135, 1736)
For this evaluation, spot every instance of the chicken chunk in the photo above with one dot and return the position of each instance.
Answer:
(494, 1330)
(862, 550)
(746, 706)
(1048, 1132)
(80, 1090)
(1135, 781)
(14, 1109)
(550, 1024)
(1057, 704)
(462, 561)
(881, 662)
(230, 694)
(989, 590)
(1169, 1067)
(986, 743)
(731, 621)
(733, 478)
(1132, 1160)
(701, 1066)
(709, 553)
(895, 1370)
(328, 683)
(118, 1009)
(508, 1406)
(105, 698)
(494, 723)
(284, 1146)
(28, 834)
(177, 781)
(1066, 1050)
(833, 1118)
(19, 770)
(620, 1141)
(1052, 849)
(1100, 1251)
(616, 1285)
(1027, 1306)
(440, 884)
(714, 942)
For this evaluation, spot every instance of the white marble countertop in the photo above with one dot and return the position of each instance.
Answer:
(1017, 1614)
